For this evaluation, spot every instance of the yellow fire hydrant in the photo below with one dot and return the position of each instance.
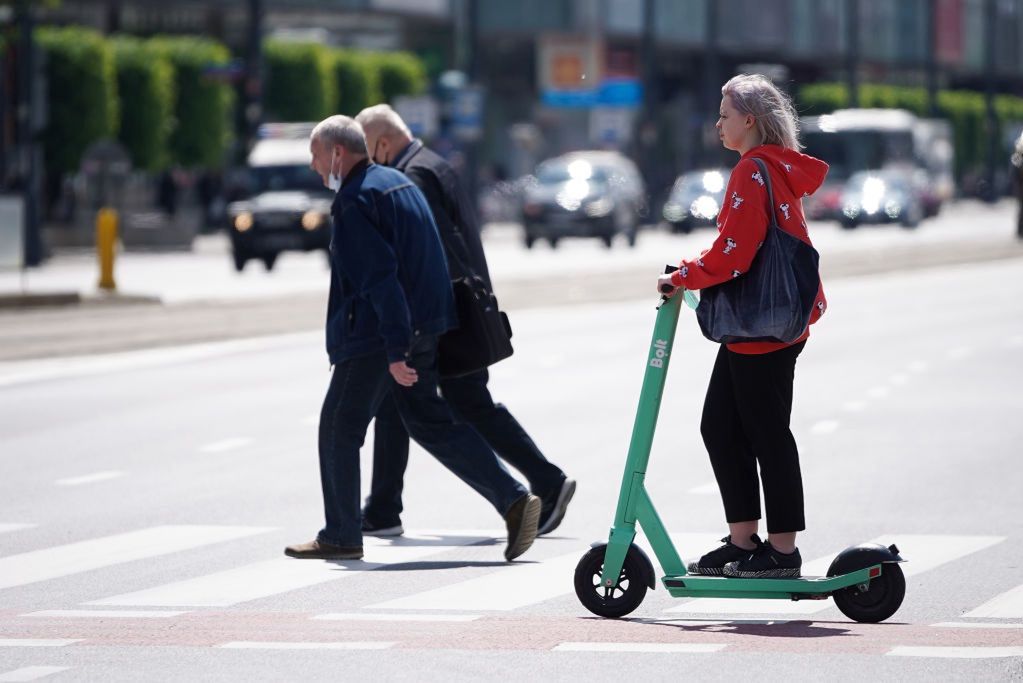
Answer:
(106, 241)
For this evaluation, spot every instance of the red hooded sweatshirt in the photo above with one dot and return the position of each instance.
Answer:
(742, 225)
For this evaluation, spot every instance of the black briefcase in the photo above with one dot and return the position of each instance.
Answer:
(483, 335)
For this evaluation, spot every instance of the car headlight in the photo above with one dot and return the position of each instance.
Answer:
(599, 208)
(704, 207)
(851, 210)
(243, 221)
(312, 220)
(893, 208)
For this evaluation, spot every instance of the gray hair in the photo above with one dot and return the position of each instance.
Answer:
(341, 130)
(384, 118)
(757, 96)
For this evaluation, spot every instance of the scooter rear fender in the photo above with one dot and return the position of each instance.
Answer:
(861, 556)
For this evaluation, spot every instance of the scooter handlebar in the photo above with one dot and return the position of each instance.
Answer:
(668, 289)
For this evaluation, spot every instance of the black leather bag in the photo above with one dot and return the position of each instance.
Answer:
(773, 301)
(483, 335)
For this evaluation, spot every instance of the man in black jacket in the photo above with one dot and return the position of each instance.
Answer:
(391, 143)
(390, 300)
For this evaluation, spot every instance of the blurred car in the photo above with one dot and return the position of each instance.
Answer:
(695, 199)
(826, 203)
(584, 194)
(289, 208)
(881, 197)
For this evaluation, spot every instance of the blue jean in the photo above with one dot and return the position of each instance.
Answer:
(357, 389)
(472, 403)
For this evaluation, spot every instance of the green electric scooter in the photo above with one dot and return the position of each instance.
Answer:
(612, 578)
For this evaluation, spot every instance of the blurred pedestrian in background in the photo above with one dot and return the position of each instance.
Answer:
(1017, 182)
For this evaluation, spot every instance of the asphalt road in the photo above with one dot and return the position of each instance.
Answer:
(145, 499)
(202, 299)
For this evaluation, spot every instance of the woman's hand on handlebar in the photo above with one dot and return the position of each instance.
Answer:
(665, 286)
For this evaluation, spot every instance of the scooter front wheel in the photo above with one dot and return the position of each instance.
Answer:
(624, 597)
(878, 600)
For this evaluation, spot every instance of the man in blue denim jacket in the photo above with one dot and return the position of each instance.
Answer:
(390, 300)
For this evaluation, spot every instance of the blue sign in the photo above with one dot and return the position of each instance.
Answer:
(613, 92)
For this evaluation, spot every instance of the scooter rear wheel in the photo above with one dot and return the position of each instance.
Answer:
(881, 599)
(623, 598)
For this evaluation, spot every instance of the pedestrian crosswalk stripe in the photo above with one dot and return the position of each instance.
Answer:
(89, 478)
(506, 589)
(359, 616)
(923, 552)
(8, 527)
(689, 648)
(976, 624)
(956, 652)
(73, 558)
(340, 645)
(1008, 605)
(709, 488)
(37, 642)
(225, 445)
(281, 575)
(103, 614)
(31, 673)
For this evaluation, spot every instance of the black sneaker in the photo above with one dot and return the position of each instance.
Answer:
(713, 563)
(371, 528)
(766, 563)
(521, 521)
(553, 507)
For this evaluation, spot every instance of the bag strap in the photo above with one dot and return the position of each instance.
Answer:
(770, 193)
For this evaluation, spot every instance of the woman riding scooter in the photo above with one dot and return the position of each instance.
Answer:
(749, 399)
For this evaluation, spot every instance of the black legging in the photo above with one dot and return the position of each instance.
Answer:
(746, 421)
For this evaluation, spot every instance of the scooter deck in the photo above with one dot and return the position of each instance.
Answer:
(804, 588)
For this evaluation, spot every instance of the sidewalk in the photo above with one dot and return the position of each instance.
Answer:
(203, 299)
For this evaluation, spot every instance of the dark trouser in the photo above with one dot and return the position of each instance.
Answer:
(357, 389)
(471, 403)
(745, 422)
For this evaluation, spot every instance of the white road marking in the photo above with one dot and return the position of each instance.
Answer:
(359, 616)
(505, 589)
(923, 552)
(1015, 341)
(225, 445)
(975, 624)
(89, 478)
(956, 652)
(878, 392)
(311, 420)
(103, 614)
(688, 648)
(899, 379)
(710, 488)
(5, 528)
(38, 642)
(83, 556)
(854, 406)
(824, 427)
(284, 574)
(959, 353)
(31, 673)
(918, 366)
(1008, 605)
(342, 645)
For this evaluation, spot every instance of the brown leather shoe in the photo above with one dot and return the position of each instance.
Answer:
(521, 520)
(316, 550)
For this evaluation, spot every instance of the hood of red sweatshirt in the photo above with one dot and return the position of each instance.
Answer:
(802, 173)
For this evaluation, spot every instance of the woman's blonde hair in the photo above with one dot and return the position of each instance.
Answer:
(775, 116)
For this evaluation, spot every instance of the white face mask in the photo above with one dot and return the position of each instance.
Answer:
(333, 180)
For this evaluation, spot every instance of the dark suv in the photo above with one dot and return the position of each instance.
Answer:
(289, 208)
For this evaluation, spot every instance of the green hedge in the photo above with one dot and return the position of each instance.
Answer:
(82, 93)
(965, 110)
(299, 82)
(203, 105)
(400, 73)
(357, 80)
(146, 80)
